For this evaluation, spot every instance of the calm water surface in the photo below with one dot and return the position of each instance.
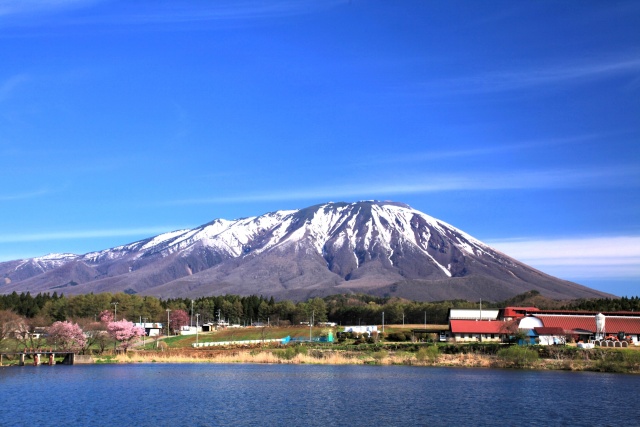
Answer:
(276, 395)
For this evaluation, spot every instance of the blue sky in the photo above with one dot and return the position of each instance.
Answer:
(517, 122)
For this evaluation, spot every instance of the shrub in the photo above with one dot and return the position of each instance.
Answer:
(396, 336)
(379, 355)
(631, 359)
(428, 354)
(518, 357)
(290, 352)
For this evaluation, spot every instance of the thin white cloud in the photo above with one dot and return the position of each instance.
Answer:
(16, 7)
(23, 196)
(596, 247)
(185, 12)
(577, 258)
(14, 256)
(502, 81)
(84, 234)
(8, 86)
(141, 13)
(422, 184)
(485, 150)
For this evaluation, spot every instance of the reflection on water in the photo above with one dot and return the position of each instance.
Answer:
(270, 395)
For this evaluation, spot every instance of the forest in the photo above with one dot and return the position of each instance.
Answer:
(47, 308)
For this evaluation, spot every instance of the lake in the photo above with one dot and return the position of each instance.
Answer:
(312, 395)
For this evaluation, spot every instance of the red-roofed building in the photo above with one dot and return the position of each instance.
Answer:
(584, 325)
(580, 324)
(477, 330)
(510, 313)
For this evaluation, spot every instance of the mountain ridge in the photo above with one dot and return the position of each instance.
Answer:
(380, 248)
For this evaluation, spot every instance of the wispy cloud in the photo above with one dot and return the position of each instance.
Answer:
(140, 13)
(553, 250)
(422, 184)
(24, 196)
(85, 234)
(183, 12)
(16, 7)
(507, 80)
(8, 86)
(486, 150)
(577, 258)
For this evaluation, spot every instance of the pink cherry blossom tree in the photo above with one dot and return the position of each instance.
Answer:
(124, 331)
(66, 335)
(106, 316)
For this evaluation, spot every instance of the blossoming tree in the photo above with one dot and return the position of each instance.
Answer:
(124, 331)
(66, 335)
(106, 316)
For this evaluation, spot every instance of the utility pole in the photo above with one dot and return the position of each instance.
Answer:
(144, 327)
(383, 322)
(197, 315)
(191, 317)
(168, 321)
(115, 311)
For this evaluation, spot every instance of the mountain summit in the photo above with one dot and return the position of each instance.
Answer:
(378, 248)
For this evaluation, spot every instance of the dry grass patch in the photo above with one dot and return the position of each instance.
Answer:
(236, 356)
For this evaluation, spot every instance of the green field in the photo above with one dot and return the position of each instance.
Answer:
(268, 333)
(243, 334)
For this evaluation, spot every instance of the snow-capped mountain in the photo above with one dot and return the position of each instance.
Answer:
(381, 248)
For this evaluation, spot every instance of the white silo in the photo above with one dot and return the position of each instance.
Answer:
(599, 326)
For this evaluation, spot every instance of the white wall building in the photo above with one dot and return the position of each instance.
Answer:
(150, 329)
(473, 314)
(361, 329)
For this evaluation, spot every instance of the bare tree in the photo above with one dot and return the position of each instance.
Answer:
(11, 325)
(95, 333)
(512, 331)
(32, 334)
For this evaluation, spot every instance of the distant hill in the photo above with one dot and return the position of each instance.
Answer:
(533, 299)
(377, 248)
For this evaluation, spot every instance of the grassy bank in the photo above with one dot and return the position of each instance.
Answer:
(484, 356)
(355, 350)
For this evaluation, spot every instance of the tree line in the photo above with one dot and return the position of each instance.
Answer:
(607, 304)
(242, 310)
(245, 310)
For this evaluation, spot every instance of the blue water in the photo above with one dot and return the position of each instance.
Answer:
(305, 395)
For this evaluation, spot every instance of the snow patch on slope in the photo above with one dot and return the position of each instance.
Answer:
(344, 223)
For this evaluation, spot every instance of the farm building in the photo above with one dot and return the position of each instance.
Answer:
(477, 330)
(473, 314)
(150, 329)
(550, 335)
(582, 325)
(544, 327)
(361, 329)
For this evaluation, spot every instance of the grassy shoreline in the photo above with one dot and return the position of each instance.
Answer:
(628, 362)
(359, 351)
